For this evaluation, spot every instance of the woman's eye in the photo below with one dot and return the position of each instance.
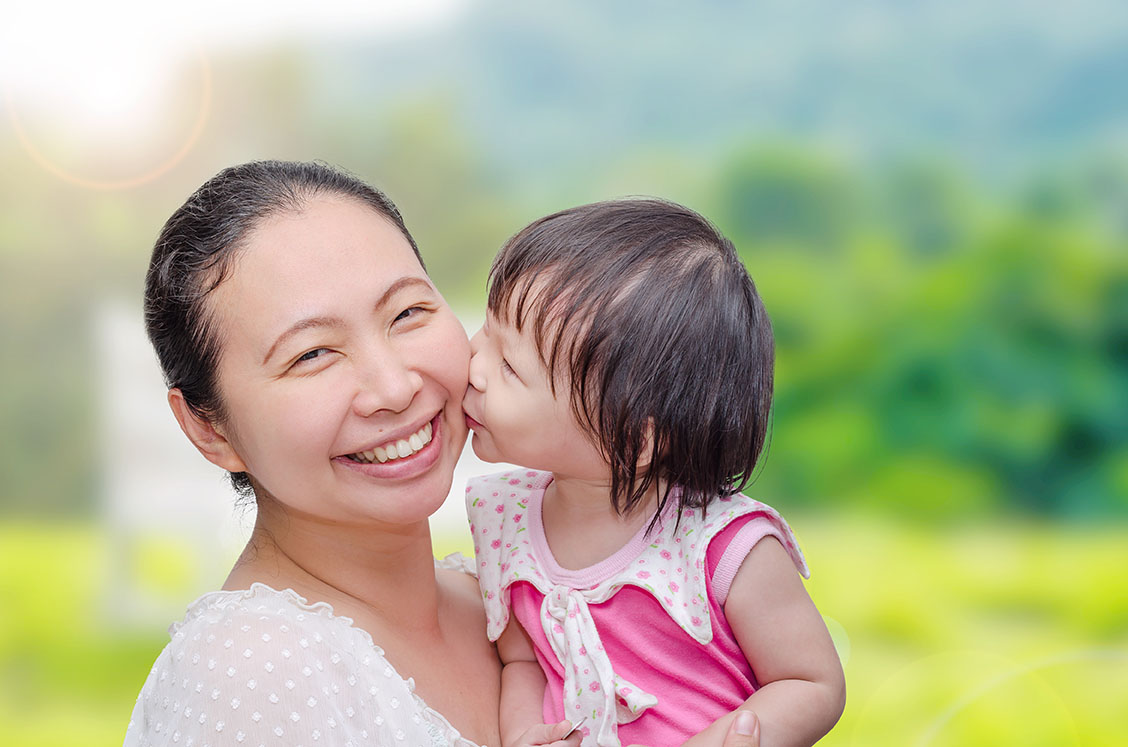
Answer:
(407, 313)
(311, 355)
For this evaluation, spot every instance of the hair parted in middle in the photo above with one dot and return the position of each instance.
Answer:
(647, 313)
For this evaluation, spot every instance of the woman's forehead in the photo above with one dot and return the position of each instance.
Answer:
(327, 236)
(328, 260)
(324, 221)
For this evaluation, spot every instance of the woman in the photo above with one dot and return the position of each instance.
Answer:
(308, 354)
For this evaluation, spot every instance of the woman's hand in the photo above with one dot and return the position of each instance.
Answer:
(744, 731)
(557, 735)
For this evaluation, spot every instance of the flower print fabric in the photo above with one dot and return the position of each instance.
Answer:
(669, 565)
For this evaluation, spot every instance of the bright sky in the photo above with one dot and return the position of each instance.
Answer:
(77, 76)
(120, 44)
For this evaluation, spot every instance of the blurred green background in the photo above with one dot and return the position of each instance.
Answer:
(931, 196)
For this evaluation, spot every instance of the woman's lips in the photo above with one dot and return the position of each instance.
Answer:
(399, 448)
(403, 467)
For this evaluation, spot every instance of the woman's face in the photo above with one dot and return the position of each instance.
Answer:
(342, 369)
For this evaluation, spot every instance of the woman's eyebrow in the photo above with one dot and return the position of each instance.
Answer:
(331, 322)
(335, 322)
(396, 287)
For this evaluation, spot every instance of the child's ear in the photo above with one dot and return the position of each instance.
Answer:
(204, 435)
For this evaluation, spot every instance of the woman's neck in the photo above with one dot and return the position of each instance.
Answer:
(385, 572)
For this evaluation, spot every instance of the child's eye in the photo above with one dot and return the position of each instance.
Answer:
(508, 368)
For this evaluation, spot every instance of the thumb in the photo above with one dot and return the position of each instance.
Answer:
(543, 733)
(744, 731)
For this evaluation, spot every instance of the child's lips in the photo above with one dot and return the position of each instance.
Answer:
(472, 424)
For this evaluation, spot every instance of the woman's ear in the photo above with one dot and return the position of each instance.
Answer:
(204, 436)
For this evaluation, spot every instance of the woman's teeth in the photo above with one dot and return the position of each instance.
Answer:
(396, 449)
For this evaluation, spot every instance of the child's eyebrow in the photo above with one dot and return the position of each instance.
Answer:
(502, 335)
(496, 328)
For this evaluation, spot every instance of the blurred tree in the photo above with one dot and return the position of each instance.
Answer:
(926, 207)
(786, 196)
(48, 443)
(952, 356)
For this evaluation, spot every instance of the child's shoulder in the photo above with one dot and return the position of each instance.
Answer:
(734, 524)
(503, 487)
(514, 477)
(502, 499)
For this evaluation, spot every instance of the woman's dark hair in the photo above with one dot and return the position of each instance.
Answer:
(647, 311)
(194, 253)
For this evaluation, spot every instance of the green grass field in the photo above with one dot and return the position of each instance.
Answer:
(1011, 634)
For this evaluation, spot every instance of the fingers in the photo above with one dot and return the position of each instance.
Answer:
(744, 731)
(552, 735)
(574, 739)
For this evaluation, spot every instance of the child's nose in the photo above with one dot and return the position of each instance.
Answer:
(477, 363)
(476, 340)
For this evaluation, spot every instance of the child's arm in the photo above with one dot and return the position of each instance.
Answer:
(802, 688)
(521, 719)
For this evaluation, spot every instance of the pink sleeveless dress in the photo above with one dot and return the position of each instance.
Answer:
(637, 644)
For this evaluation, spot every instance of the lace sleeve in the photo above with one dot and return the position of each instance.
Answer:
(271, 676)
(456, 561)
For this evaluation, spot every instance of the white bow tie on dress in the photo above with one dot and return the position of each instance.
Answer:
(589, 680)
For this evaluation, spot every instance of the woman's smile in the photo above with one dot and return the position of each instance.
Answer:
(407, 456)
(395, 448)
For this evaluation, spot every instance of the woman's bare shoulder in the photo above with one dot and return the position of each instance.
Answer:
(455, 574)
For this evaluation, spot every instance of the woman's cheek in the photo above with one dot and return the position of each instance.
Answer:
(456, 360)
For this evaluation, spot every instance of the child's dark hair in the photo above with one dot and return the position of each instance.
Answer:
(648, 311)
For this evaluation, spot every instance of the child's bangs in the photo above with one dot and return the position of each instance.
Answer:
(539, 299)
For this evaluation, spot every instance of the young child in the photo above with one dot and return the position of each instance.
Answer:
(626, 363)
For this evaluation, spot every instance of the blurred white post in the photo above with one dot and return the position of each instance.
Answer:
(156, 486)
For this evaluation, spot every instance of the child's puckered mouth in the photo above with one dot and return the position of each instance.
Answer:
(471, 423)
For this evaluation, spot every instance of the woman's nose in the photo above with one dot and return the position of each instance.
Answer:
(386, 382)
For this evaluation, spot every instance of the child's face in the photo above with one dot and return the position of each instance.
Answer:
(513, 413)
